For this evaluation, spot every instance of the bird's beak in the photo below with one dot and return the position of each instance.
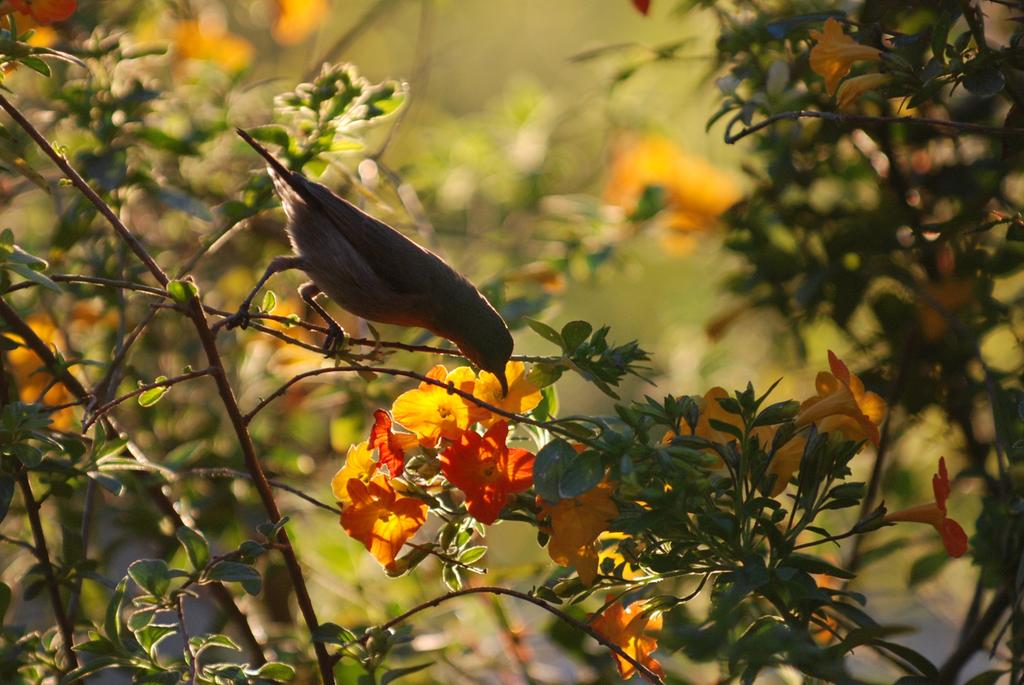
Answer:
(504, 385)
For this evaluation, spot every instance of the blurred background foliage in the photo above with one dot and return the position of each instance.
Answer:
(557, 154)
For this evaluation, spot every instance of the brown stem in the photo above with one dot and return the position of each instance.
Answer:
(190, 655)
(16, 324)
(647, 673)
(67, 630)
(865, 120)
(195, 313)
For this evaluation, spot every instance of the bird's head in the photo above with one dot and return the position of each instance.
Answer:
(483, 337)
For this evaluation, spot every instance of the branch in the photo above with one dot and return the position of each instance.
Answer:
(865, 120)
(647, 673)
(450, 387)
(974, 640)
(42, 553)
(232, 473)
(195, 313)
(100, 411)
(190, 655)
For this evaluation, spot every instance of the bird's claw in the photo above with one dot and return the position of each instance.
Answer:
(334, 341)
(239, 319)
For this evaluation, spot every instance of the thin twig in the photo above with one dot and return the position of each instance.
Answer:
(866, 120)
(647, 673)
(190, 655)
(233, 473)
(92, 280)
(450, 387)
(166, 383)
(224, 389)
(41, 350)
(64, 625)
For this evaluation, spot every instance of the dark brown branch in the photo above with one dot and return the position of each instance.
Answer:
(975, 639)
(100, 411)
(67, 630)
(647, 673)
(190, 655)
(92, 280)
(864, 120)
(195, 313)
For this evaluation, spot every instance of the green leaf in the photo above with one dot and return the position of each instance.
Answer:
(141, 619)
(813, 565)
(392, 676)
(94, 666)
(154, 395)
(37, 65)
(234, 572)
(112, 621)
(548, 468)
(917, 660)
(575, 334)
(201, 643)
(986, 678)
(471, 555)
(269, 302)
(275, 671)
(545, 331)
(30, 274)
(195, 545)
(332, 633)
(182, 291)
(152, 575)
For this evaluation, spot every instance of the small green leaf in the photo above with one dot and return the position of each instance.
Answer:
(234, 572)
(154, 395)
(182, 291)
(392, 676)
(195, 545)
(275, 671)
(269, 302)
(545, 331)
(471, 555)
(575, 334)
(271, 133)
(152, 575)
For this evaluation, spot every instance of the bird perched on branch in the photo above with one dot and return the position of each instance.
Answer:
(376, 273)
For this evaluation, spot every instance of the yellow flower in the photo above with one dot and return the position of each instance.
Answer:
(852, 88)
(203, 41)
(34, 382)
(359, 465)
(786, 459)
(843, 405)
(296, 19)
(576, 524)
(610, 548)
(695, 193)
(628, 628)
(523, 396)
(710, 410)
(433, 413)
(835, 52)
(952, 294)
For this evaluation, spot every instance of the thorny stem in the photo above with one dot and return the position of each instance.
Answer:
(647, 673)
(866, 120)
(195, 313)
(67, 630)
(35, 343)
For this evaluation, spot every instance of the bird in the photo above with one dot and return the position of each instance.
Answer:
(375, 272)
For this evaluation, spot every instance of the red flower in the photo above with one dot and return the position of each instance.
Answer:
(627, 627)
(390, 446)
(46, 11)
(380, 518)
(642, 6)
(486, 470)
(934, 514)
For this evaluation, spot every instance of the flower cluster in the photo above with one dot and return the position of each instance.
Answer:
(441, 415)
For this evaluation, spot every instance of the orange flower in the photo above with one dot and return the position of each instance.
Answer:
(42, 36)
(852, 88)
(31, 377)
(487, 470)
(785, 461)
(523, 396)
(952, 294)
(433, 413)
(835, 52)
(843, 405)
(576, 524)
(359, 465)
(390, 446)
(45, 11)
(934, 514)
(380, 518)
(627, 628)
(209, 42)
(695, 193)
(296, 19)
